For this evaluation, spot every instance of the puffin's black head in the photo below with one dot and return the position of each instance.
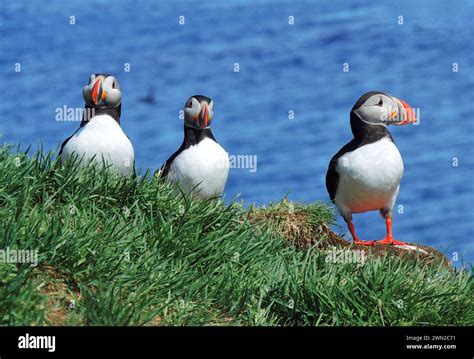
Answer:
(378, 108)
(103, 91)
(198, 112)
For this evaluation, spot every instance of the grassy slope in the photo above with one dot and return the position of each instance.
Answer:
(114, 251)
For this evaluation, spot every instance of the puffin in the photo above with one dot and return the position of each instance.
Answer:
(199, 167)
(365, 174)
(100, 137)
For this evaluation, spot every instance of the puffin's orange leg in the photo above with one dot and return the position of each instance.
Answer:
(356, 239)
(389, 239)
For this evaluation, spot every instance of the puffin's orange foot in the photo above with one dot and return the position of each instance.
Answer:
(390, 240)
(364, 243)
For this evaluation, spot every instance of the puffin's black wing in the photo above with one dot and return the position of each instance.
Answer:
(134, 174)
(66, 141)
(332, 177)
(165, 169)
(64, 144)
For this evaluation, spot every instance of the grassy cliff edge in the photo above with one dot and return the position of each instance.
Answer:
(116, 251)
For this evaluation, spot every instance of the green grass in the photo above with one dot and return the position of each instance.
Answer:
(115, 251)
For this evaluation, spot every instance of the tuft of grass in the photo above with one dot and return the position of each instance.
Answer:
(121, 251)
(304, 226)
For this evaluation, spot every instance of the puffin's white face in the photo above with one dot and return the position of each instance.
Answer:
(382, 109)
(102, 91)
(198, 112)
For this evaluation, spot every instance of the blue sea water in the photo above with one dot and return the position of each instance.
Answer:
(282, 68)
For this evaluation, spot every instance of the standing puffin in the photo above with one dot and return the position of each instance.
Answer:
(100, 136)
(365, 174)
(200, 165)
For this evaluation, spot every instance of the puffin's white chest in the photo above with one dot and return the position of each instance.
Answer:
(202, 168)
(369, 177)
(102, 138)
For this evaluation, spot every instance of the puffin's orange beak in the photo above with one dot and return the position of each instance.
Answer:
(407, 115)
(97, 92)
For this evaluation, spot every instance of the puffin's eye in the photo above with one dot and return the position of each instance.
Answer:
(190, 104)
(380, 102)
